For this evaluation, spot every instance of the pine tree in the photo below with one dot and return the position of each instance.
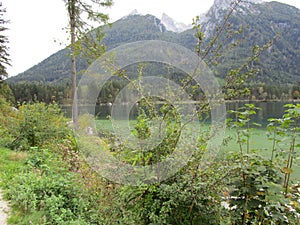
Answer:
(4, 55)
(80, 35)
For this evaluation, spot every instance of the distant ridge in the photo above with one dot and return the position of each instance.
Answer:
(169, 23)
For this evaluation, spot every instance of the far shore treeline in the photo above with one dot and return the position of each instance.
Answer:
(61, 93)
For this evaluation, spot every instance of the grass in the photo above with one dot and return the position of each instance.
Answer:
(11, 163)
(107, 124)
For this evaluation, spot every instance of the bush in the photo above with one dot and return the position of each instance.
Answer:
(7, 118)
(53, 194)
(47, 192)
(51, 187)
(39, 124)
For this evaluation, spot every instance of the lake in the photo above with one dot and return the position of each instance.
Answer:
(268, 110)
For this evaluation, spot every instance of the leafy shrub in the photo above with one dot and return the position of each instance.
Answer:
(191, 196)
(47, 191)
(242, 188)
(57, 195)
(39, 124)
(7, 118)
(257, 195)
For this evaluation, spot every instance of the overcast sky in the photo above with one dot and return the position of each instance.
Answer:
(36, 26)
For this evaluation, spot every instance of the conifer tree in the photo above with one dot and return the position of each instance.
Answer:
(4, 55)
(79, 13)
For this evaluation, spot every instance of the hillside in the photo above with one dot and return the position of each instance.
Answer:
(260, 22)
(56, 68)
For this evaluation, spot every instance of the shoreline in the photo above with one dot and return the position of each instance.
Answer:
(195, 102)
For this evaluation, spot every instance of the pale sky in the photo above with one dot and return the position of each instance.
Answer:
(36, 26)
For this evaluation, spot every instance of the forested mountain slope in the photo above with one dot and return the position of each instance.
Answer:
(260, 23)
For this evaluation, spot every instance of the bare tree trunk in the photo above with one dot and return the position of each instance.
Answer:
(72, 14)
(74, 93)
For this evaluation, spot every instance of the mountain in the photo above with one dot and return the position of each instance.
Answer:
(134, 27)
(173, 25)
(218, 11)
(260, 22)
(169, 23)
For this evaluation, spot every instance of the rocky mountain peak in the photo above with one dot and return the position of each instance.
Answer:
(134, 12)
(222, 4)
(218, 10)
(225, 4)
(172, 25)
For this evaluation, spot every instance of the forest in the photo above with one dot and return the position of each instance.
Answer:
(48, 93)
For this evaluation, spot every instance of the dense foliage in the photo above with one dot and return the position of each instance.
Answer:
(56, 186)
(36, 124)
(40, 92)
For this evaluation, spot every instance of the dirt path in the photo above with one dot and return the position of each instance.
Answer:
(4, 209)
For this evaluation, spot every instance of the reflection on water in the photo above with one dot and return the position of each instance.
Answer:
(268, 110)
(100, 111)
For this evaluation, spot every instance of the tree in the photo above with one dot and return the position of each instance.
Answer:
(81, 36)
(4, 56)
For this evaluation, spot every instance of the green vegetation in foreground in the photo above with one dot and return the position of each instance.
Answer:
(43, 189)
(43, 177)
(47, 180)
(11, 163)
